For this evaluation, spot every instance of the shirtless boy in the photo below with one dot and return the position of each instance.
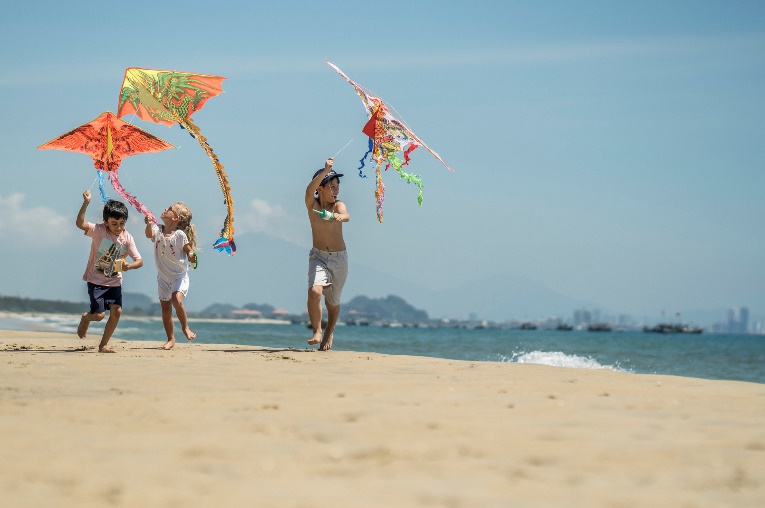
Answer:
(328, 259)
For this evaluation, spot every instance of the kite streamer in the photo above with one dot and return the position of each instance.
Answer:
(387, 137)
(170, 97)
(115, 181)
(100, 179)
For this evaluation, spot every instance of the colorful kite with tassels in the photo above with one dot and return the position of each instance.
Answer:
(387, 137)
(170, 97)
(108, 140)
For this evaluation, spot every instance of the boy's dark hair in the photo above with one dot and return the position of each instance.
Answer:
(114, 209)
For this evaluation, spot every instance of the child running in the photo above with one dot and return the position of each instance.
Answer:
(174, 245)
(110, 242)
(328, 259)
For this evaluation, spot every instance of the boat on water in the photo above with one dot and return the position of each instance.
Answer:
(564, 327)
(599, 327)
(672, 328)
(528, 326)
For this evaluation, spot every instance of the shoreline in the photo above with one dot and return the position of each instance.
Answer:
(234, 425)
(23, 316)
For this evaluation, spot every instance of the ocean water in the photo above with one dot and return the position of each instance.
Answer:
(709, 356)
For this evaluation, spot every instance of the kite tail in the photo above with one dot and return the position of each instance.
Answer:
(415, 179)
(411, 148)
(379, 194)
(115, 180)
(361, 161)
(225, 244)
(100, 176)
(226, 240)
(396, 163)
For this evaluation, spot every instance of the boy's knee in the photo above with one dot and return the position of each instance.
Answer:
(315, 291)
(115, 310)
(97, 316)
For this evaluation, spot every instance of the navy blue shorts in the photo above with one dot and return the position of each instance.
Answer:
(101, 297)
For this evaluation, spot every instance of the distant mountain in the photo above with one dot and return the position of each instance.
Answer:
(263, 308)
(138, 301)
(391, 308)
(218, 309)
(17, 304)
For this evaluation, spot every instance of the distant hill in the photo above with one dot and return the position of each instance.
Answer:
(130, 301)
(263, 308)
(391, 308)
(16, 304)
(218, 309)
(138, 301)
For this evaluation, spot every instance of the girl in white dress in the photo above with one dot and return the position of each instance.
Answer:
(174, 251)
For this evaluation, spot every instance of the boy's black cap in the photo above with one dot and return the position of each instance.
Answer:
(329, 176)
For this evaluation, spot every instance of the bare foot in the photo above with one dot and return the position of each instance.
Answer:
(315, 339)
(105, 350)
(82, 330)
(189, 334)
(169, 344)
(326, 344)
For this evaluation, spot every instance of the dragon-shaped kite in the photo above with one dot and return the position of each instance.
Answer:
(108, 140)
(387, 136)
(170, 97)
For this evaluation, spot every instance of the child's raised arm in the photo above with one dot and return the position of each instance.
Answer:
(148, 231)
(80, 222)
(315, 181)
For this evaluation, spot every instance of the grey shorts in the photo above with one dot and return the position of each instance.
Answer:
(328, 269)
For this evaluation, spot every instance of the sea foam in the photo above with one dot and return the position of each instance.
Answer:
(559, 359)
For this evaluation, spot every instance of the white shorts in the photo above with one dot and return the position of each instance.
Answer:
(167, 288)
(328, 269)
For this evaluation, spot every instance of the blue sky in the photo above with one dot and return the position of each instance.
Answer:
(607, 154)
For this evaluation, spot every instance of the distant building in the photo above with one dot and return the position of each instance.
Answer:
(582, 317)
(743, 320)
(738, 320)
(732, 320)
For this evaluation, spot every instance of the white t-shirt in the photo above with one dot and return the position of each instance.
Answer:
(169, 256)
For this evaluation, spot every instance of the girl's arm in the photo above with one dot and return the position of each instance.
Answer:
(148, 232)
(190, 254)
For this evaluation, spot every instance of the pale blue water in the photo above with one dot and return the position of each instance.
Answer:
(709, 356)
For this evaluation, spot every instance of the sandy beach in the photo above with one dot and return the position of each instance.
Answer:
(224, 425)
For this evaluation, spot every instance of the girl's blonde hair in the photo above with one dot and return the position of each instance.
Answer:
(184, 215)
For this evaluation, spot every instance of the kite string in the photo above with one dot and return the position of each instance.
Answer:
(343, 148)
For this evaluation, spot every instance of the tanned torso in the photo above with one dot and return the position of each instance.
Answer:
(327, 236)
